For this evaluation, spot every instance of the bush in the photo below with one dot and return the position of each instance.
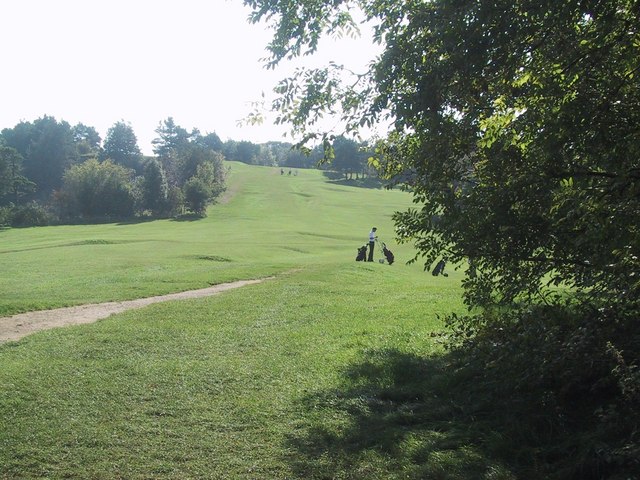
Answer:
(196, 195)
(562, 381)
(29, 215)
(93, 189)
(5, 216)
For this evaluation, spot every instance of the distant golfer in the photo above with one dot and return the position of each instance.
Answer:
(372, 242)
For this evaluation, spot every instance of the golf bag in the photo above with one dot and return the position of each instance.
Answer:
(439, 270)
(387, 253)
(362, 254)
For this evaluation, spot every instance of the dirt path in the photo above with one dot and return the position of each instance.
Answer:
(23, 324)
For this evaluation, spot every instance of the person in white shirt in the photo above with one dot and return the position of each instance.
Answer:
(372, 242)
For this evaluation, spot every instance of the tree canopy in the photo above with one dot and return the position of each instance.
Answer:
(96, 189)
(36, 155)
(50, 171)
(515, 127)
(121, 146)
(12, 183)
(47, 148)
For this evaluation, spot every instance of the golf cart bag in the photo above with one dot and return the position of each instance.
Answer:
(387, 253)
(439, 270)
(362, 254)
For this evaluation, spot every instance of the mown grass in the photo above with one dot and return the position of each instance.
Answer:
(279, 380)
(272, 224)
(330, 370)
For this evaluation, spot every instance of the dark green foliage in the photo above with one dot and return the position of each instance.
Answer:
(121, 146)
(291, 157)
(39, 159)
(171, 138)
(87, 140)
(6, 155)
(566, 377)
(246, 152)
(30, 215)
(211, 141)
(47, 148)
(204, 186)
(13, 185)
(196, 195)
(274, 153)
(97, 190)
(516, 130)
(155, 189)
(348, 157)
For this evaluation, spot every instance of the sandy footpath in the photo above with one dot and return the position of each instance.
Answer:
(23, 324)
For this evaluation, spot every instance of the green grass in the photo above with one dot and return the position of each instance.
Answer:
(330, 370)
(271, 225)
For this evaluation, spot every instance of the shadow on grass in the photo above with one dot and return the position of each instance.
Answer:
(396, 416)
(337, 178)
(188, 217)
(138, 220)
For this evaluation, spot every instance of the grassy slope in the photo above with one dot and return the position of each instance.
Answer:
(328, 371)
(273, 223)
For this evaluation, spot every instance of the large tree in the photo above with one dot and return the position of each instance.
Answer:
(88, 141)
(347, 157)
(13, 185)
(121, 146)
(154, 189)
(515, 126)
(247, 152)
(47, 148)
(211, 141)
(97, 189)
(206, 184)
(172, 138)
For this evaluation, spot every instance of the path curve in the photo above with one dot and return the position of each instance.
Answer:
(23, 324)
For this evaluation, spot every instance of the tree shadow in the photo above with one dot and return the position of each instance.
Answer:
(396, 415)
(338, 178)
(188, 217)
(138, 220)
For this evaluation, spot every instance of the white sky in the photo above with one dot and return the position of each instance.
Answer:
(102, 61)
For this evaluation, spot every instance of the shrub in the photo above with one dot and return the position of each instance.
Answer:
(561, 380)
(5, 216)
(29, 215)
(93, 189)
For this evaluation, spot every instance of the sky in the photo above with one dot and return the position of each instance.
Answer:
(98, 62)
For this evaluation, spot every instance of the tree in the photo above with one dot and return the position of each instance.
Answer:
(180, 152)
(211, 141)
(203, 187)
(87, 140)
(515, 128)
(171, 138)
(13, 185)
(7, 156)
(155, 189)
(488, 113)
(121, 146)
(196, 195)
(97, 189)
(293, 157)
(347, 157)
(229, 149)
(47, 148)
(246, 152)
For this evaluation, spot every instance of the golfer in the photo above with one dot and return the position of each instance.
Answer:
(372, 242)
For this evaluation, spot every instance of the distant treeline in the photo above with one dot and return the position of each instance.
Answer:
(53, 172)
